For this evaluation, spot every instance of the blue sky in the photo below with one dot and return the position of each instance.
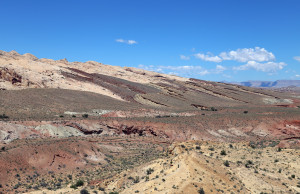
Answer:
(233, 40)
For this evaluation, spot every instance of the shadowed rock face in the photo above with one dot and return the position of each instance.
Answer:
(10, 76)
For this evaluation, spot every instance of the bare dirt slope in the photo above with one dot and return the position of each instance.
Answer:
(211, 167)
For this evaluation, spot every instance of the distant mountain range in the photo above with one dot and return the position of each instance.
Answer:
(269, 84)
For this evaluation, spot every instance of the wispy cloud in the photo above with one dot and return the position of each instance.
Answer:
(130, 42)
(297, 58)
(208, 57)
(183, 57)
(265, 67)
(220, 69)
(184, 71)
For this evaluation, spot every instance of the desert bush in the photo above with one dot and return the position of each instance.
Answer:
(147, 178)
(84, 191)
(213, 109)
(137, 179)
(252, 145)
(149, 171)
(226, 163)
(4, 116)
(223, 153)
(293, 176)
(101, 189)
(201, 191)
(248, 164)
(79, 183)
(85, 115)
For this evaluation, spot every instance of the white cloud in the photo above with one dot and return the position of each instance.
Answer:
(297, 58)
(248, 54)
(208, 57)
(130, 42)
(265, 67)
(220, 68)
(185, 70)
(297, 75)
(204, 72)
(240, 55)
(183, 57)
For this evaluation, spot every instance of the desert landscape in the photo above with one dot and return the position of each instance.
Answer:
(74, 127)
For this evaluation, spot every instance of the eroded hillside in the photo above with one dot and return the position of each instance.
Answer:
(128, 84)
(109, 129)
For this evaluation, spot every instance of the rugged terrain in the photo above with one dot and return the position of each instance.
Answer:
(270, 84)
(61, 122)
